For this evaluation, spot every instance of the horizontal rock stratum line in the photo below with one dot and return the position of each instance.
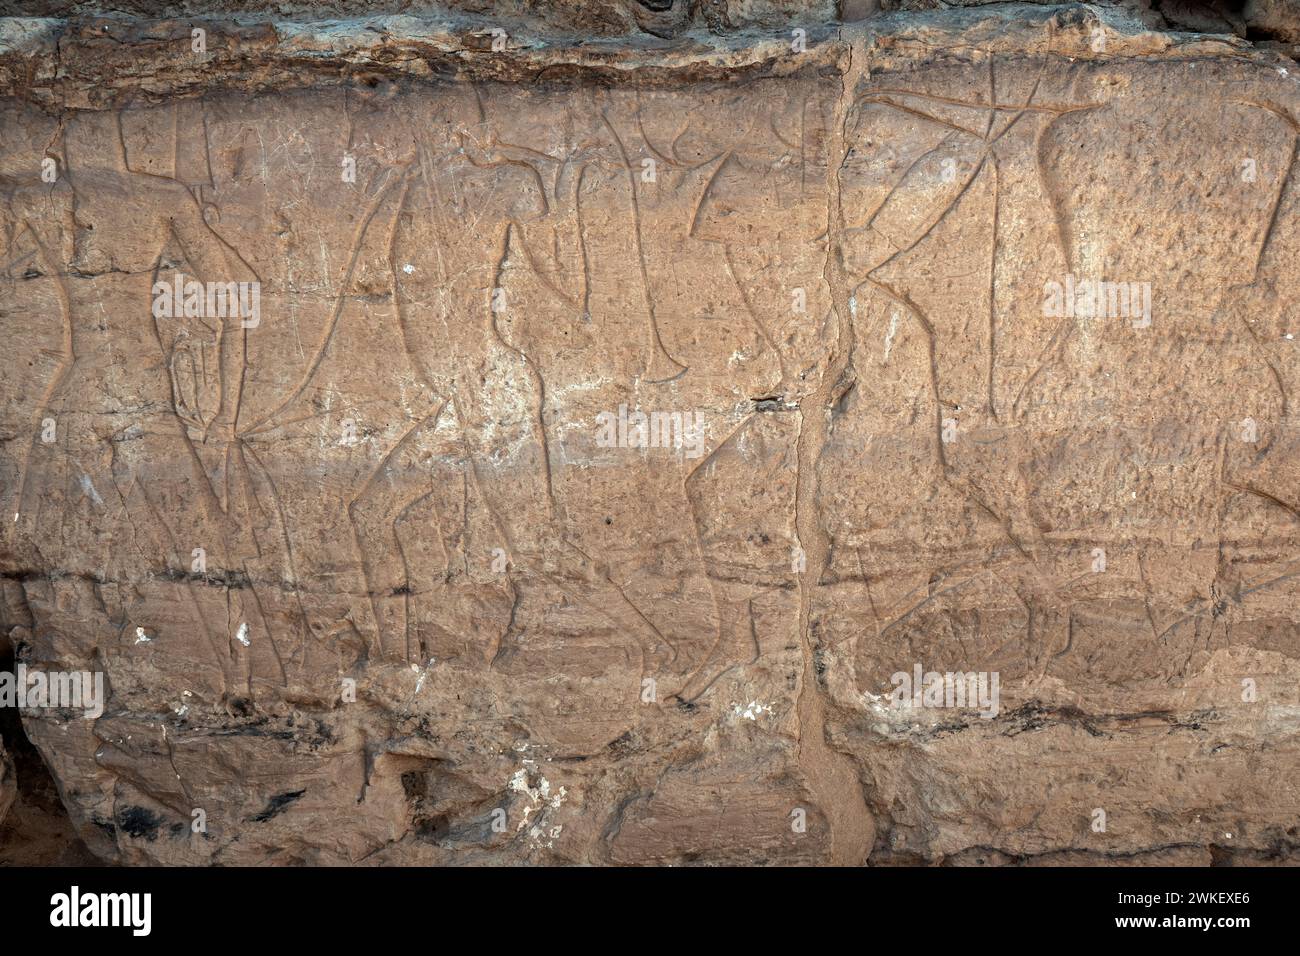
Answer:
(86, 61)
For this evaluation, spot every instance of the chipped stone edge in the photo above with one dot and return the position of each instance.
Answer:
(96, 62)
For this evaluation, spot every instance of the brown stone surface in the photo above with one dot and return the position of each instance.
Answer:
(435, 618)
(36, 830)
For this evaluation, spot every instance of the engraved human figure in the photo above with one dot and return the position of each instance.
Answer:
(885, 205)
(458, 260)
(127, 449)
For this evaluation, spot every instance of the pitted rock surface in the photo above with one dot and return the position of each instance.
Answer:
(617, 412)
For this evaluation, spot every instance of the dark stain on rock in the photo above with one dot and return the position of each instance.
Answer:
(277, 804)
(139, 822)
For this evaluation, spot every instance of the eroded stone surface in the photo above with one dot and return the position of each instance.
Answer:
(369, 585)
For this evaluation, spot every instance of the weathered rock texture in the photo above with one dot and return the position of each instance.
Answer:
(34, 826)
(565, 652)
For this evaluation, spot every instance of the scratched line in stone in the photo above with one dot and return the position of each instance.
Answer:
(801, 434)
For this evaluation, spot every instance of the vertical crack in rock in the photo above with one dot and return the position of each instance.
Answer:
(831, 773)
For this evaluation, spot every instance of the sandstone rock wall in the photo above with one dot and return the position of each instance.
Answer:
(383, 570)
